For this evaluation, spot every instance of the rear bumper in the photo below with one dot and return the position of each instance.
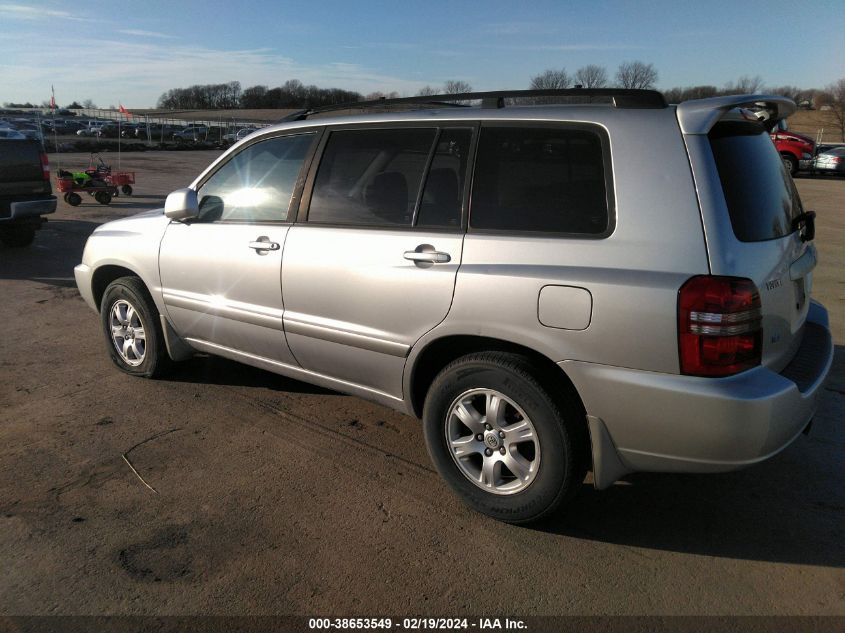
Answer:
(673, 423)
(18, 210)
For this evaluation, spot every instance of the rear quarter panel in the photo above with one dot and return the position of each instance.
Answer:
(633, 275)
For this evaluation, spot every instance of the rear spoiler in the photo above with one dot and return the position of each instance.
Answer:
(700, 115)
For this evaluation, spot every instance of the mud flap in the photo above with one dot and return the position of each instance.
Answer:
(607, 465)
(177, 348)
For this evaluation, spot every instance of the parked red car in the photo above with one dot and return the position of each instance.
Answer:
(796, 149)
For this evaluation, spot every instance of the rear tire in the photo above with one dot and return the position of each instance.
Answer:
(74, 199)
(506, 446)
(103, 197)
(127, 190)
(132, 329)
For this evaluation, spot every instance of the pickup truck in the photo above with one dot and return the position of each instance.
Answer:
(796, 150)
(25, 191)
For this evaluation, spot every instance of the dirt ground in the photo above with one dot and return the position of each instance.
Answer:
(275, 497)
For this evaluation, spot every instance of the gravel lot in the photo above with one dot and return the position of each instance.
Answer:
(278, 497)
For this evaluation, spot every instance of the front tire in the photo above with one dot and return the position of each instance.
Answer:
(132, 329)
(506, 446)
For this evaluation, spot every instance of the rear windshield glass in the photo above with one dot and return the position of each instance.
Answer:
(761, 197)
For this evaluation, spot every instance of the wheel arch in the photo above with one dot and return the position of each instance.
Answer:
(106, 274)
(436, 354)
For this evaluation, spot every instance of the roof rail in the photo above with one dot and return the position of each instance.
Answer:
(698, 116)
(619, 97)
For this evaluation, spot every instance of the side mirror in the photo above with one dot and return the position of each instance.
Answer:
(182, 205)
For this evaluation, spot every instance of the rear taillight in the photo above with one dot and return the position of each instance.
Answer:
(45, 167)
(719, 326)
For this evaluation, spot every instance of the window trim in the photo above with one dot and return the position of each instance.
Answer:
(607, 164)
(298, 183)
(473, 127)
(438, 127)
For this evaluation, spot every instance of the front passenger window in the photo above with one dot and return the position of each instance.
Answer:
(256, 185)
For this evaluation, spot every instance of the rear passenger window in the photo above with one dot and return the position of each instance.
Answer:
(540, 179)
(371, 177)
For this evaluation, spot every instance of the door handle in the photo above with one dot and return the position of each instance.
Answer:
(425, 253)
(263, 243)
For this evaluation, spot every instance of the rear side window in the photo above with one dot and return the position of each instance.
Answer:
(371, 177)
(761, 197)
(540, 179)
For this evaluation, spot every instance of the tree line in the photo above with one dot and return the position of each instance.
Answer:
(644, 76)
(634, 74)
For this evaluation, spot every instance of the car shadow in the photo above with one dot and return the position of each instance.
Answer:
(51, 257)
(790, 509)
(214, 370)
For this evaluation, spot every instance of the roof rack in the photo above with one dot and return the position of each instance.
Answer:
(619, 97)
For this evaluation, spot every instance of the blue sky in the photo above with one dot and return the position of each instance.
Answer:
(127, 52)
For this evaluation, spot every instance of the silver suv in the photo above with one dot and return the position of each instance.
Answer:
(617, 287)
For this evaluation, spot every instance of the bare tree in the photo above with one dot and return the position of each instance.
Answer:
(745, 85)
(637, 75)
(792, 92)
(89, 105)
(591, 76)
(427, 91)
(837, 104)
(551, 80)
(254, 97)
(456, 87)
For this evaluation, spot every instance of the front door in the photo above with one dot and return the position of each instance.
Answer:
(221, 272)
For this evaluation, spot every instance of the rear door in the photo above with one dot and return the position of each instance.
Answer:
(762, 233)
(371, 267)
